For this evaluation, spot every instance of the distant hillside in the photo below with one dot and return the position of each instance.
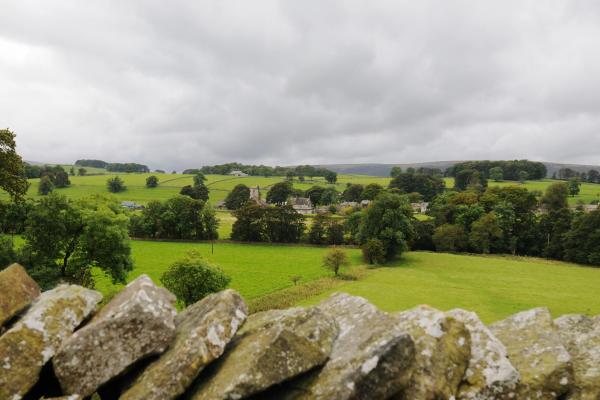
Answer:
(384, 169)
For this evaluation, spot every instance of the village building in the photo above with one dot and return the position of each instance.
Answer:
(238, 173)
(255, 196)
(302, 205)
(131, 205)
(365, 203)
(420, 207)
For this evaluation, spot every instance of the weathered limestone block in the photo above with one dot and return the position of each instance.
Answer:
(32, 341)
(443, 351)
(581, 337)
(535, 349)
(69, 397)
(371, 358)
(272, 347)
(489, 375)
(136, 323)
(17, 291)
(203, 331)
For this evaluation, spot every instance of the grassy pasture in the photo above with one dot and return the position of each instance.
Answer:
(492, 286)
(255, 269)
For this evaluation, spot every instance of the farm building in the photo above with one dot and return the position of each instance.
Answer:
(302, 205)
(132, 205)
(255, 196)
(420, 207)
(237, 173)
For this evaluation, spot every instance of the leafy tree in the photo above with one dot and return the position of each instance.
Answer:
(352, 225)
(61, 178)
(353, 192)
(13, 216)
(193, 278)
(395, 171)
(469, 179)
(373, 251)
(249, 223)
(335, 232)
(496, 174)
(318, 229)
(151, 181)
(574, 186)
(329, 196)
(64, 240)
(314, 194)
(12, 170)
(81, 171)
(556, 196)
(45, 186)
(115, 184)
(72, 171)
(523, 175)
(582, 241)
(8, 254)
(196, 192)
(371, 191)
(423, 239)
(552, 228)
(335, 259)
(239, 196)
(283, 224)
(450, 238)
(484, 231)
(330, 177)
(290, 175)
(279, 193)
(593, 176)
(389, 220)
(182, 217)
(427, 185)
(199, 179)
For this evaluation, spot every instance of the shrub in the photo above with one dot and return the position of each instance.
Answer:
(46, 186)
(335, 259)
(151, 181)
(115, 185)
(373, 251)
(193, 278)
(450, 238)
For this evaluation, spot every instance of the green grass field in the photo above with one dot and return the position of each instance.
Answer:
(494, 287)
(589, 191)
(255, 269)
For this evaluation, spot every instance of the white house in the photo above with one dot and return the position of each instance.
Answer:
(237, 173)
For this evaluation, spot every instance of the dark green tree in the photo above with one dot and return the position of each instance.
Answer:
(484, 232)
(196, 192)
(329, 196)
(371, 191)
(115, 184)
(283, 224)
(45, 186)
(81, 171)
(12, 170)
(330, 177)
(199, 179)
(64, 240)
(237, 197)
(353, 192)
(279, 193)
(427, 185)
(318, 229)
(373, 251)
(389, 220)
(151, 181)
(496, 174)
(193, 278)
(556, 196)
(582, 241)
(314, 194)
(249, 223)
(395, 171)
(450, 238)
(574, 186)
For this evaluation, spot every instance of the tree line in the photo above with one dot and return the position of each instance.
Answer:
(114, 167)
(511, 170)
(591, 176)
(264, 170)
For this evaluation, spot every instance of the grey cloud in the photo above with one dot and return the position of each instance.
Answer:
(185, 83)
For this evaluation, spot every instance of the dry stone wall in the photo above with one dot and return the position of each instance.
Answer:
(59, 344)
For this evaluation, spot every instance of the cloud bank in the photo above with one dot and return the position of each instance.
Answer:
(187, 83)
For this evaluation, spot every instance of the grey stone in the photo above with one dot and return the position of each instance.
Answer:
(136, 323)
(581, 337)
(443, 351)
(17, 291)
(33, 340)
(203, 331)
(272, 347)
(489, 375)
(371, 357)
(536, 351)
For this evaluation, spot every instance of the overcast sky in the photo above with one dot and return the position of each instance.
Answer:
(181, 84)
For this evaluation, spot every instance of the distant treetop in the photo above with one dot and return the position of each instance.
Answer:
(114, 167)
(261, 170)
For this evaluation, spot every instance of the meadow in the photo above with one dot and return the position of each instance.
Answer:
(221, 185)
(255, 269)
(493, 286)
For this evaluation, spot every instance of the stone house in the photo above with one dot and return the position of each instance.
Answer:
(302, 205)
